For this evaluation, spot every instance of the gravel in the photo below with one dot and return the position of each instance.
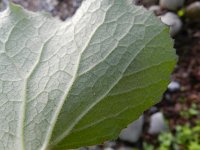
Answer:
(61, 8)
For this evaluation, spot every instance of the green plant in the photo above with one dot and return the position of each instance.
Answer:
(186, 137)
(166, 138)
(194, 146)
(193, 110)
(147, 146)
(190, 112)
(75, 83)
(183, 135)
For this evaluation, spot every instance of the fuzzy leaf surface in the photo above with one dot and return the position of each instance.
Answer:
(76, 83)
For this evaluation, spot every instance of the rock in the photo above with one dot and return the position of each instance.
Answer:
(111, 144)
(193, 11)
(96, 147)
(83, 148)
(3, 5)
(155, 8)
(136, 2)
(29, 4)
(149, 2)
(174, 86)
(168, 98)
(61, 8)
(157, 124)
(171, 4)
(108, 148)
(133, 132)
(173, 21)
(125, 148)
(145, 2)
(48, 5)
(153, 109)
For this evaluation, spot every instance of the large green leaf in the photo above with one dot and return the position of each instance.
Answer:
(75, 83)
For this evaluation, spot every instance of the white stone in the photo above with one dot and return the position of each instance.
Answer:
(193, 11)
(174, 86)
(133, 132)
(125, 148)
(108, 148)
(154, 8)
(173, 21)
(149, 2)
(110, 144)
(3, 5)
(93, 147)
(171, 4)
(157, 124)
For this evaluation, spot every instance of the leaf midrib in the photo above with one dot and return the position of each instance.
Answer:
(67, 132)
(25, 92)
(71, 85)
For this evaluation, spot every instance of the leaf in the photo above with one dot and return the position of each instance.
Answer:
(75, 83)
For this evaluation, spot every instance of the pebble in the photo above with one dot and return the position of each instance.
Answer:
(150, 2)
(173, 21)
(48, 5)
(168, 98)
(3, 5)
(133, 132)
(153, 109)
(155, 8)
(157, 124)
(174, 86)
(171, 4)
(108, 148)
(125, 148)
(110, 144)
(193, 11)
(136, 2)
(56, 7)
(96, 147)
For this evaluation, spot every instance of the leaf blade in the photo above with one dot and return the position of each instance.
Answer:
(66, 75)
